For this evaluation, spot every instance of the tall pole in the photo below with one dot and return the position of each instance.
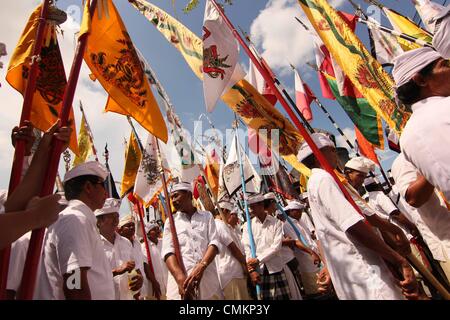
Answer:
(244, 192)
(19, 151)
(34, 250)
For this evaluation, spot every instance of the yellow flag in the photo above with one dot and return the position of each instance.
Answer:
(84, 144)
(51, 80)
(133, 158)
(86, 21)
(114, 62)
(366, 73)
(258, 113)
(187, 42)
(403, 24)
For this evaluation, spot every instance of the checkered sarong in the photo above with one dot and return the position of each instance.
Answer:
(274, 286)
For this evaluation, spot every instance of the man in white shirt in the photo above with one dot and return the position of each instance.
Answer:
(351, 250)
(305, 252)
(127, 229)
(431, 207)
(231, 263)
(74, 264)
(198, 245)
(118, 251)
(160, 270)
(268, 263)
(421, 76)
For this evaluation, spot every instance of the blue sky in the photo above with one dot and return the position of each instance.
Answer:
(274, 30)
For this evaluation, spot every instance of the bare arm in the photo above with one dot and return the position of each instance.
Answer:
(176, 271)
(419, 192)
(74, 293)
(196, 274)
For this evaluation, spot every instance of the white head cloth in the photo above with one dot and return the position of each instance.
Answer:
(225, 205)
(255, 199)
(181, 186)
(441, 39)
(126, 219)
(370, 180)
(361, 164)
(150, 226)
(92, 168)
(111, 205)
(407, 64)
(294, 205)
(321, 140)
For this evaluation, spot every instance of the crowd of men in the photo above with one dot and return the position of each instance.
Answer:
(326, 244)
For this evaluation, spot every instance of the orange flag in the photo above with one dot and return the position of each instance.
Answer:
(113, 60)
(51, 80)
(366, 148)
(212, 169)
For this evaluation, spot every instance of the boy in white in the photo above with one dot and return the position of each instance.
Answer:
(352, 251)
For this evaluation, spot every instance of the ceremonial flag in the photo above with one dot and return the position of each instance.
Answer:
(51, 79)
(363, 70)
(255, 78)
(231, 172)
(84, 144)
(112, 58)
(221, 68)
(303, 97)
(428, 10)
(183, 39)
(365, 147)
(386, 45)
(403, 24)
(133, 158)
(212, 169)
(351, 100)
(148, 178)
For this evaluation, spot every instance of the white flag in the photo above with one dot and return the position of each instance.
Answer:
(230, 175)
(148, 180)
(221, 68)
(255, 78)
(386, 45)
(428, 10)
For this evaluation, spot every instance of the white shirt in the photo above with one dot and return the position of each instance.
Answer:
(434, 214)
(19, 250)
(306, 221)
(305, 261)
(425, 139)
(228, 266)
(268, 236)
(117, 254)
(73, 242)
(194, 237)
(357, 272)
(159, 267)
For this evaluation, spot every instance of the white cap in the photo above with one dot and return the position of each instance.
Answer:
(321, 140)
(225, 205)
(150, 226)
(92, 168)
(361, 164)
(181, 186)
(255, 198)
(126, 219)
(442, 34)
(270, 196)
(294, 205)
(407, 64)
(111, 205)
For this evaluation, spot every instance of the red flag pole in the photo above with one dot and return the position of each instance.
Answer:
(19, 152)
(34, 250)
(147, 248)
(266, 74)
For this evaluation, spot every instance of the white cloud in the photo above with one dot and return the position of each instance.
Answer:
(350, 134)
(281, 38)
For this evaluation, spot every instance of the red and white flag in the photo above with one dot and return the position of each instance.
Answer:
(303, 97)
(221, 68)
(255, 78)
